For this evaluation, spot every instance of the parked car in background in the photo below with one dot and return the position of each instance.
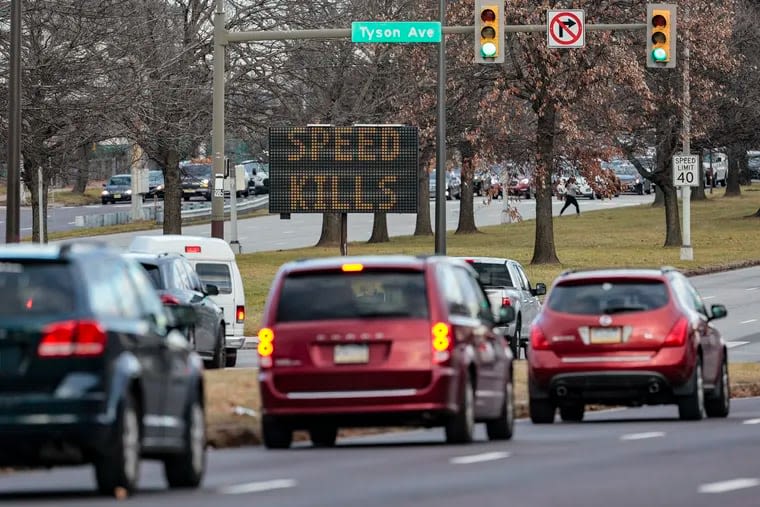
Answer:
(155, 184)
(118, 188)
(257, 176)
(753, 164)
(630, 179)
(507, 284)
(177, 283)
(453, 185)
(486, 181)
(715, 166)
(382, 340)
(94, 370)
(520, 186)
(626, 337)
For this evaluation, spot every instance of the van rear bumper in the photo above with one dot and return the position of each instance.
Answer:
(234, 342)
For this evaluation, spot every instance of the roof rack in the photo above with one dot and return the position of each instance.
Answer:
(93, 244)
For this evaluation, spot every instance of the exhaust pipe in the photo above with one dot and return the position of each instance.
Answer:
(654, 388)
(561, 391)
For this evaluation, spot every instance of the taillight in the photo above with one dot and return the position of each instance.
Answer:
(240, 314)
(266, 347)
(677, 335)
(169, 299)
(538, 339)
(442, 341)
(72, 338)
(505, 301)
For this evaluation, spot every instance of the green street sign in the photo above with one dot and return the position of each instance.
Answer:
(380, 32)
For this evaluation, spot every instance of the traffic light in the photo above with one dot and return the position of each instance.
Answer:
(661, 36)
(489, 34)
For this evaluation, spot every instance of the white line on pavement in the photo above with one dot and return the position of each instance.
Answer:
(708, 297)
(730, 345)
(643, 436)
(752, 421)
(257, 487)
(752, 288)
(478, 458)
(748, 321)
(731, 485)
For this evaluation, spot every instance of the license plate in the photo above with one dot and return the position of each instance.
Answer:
(187, 190)
(351, 354)
(117, 196)
(606, 335)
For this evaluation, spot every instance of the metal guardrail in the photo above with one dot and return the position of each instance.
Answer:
(152, 212)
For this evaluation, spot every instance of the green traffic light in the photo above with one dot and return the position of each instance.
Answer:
(659, 55)
(488, 50)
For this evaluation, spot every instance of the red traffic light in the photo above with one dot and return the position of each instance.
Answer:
(659, 21)
(488, 16)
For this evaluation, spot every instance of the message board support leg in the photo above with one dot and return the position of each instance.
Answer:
(344, 234)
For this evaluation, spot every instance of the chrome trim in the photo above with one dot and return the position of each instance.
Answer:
(385, 393)
(605, 359)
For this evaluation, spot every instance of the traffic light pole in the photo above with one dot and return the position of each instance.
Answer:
(687, 253)
(217, 123)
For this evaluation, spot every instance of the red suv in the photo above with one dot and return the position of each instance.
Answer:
(626, 337)
(382, 341)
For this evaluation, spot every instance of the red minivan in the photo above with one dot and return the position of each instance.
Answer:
(382, 341)
(626, 337)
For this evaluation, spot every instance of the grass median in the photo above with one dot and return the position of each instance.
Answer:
(724, 236)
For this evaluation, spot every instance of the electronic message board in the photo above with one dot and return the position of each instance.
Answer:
(359, 169)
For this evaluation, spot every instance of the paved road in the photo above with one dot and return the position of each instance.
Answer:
(630, 457)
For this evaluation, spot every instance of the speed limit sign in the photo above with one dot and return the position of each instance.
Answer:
(685, 170)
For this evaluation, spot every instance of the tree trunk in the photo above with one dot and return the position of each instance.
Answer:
(172, 193)
(83, 173)
(330, 235)
(379, 229)
(544, 251)
(672, 218)
(31, 181)
(466, 211)
(698, 192)
(736, 152)
(422, 226)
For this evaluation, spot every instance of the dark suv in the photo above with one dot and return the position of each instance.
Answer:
(93, 369)
(382, 340)
(626, 337)
(177, 283)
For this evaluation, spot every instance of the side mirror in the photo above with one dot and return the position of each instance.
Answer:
(718, 312)
(540, 289)
(182, 316)
(505, 316)
(211, 290)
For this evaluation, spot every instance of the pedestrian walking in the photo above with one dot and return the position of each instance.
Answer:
(571, 190)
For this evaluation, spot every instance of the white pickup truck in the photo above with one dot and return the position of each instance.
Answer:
(715, 163)
(506, 284)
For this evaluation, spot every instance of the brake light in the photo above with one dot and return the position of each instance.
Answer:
(538, 339)
(169, 299)
(352, 268)
(72, 338)
(192, 249)
(505, 301)
(266, 347)
(240, 314)
(677, 335)
(470, 261)
(441, 336)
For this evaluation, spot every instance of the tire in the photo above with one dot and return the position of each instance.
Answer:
(323, 436)
(461, 427)
(572, 413)
(119, 467)
(692, 406)
(541, 411)
(502, 428)
(231, 358)
(104, 202)
(186, 470)
(517, 338)
(220, 352)
(274, 435)
(185, 198)
(720, 405)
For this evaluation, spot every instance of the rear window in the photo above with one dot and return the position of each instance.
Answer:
(35, 288)
(154, 273)
(493, 275)
(215, 274)
(323, 296)
(608, 297)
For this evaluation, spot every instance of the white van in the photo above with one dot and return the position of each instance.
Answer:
(241, 183)
(214, 261)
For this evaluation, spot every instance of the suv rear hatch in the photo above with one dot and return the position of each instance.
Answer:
(340, 331)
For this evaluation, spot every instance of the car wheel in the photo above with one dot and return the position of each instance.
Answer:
(323, 436)
(572, 413)
(186, 198)
(514, 343)
(541, 411)
(720, 405)
(104, 201)
(230, 358)
(692, 406)
(220, 352)
(119, 468)
(274, 435)
(461, 427)
(502, 428)
(186, 470)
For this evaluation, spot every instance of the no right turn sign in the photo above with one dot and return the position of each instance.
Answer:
(685, 170)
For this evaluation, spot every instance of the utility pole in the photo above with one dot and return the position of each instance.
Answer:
(217, 138)
(687, 253)
(440, 159)
(13, 199)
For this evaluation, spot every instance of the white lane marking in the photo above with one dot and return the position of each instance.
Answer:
(752, 288)
(752, 421)
(643, 436)
(730, 485)
(478, 458)
(748, 321)
(257, 487)
(730, 345)
(708, 297)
